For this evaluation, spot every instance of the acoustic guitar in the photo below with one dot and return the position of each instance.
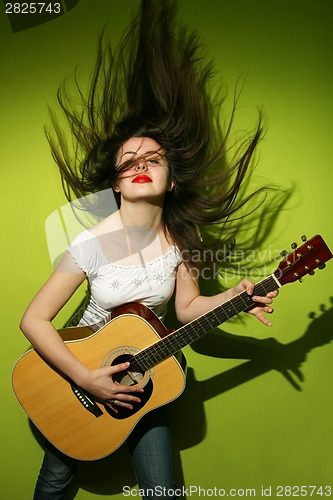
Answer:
(88, 430)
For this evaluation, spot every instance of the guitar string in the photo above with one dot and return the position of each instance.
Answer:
(173, 342)
(190, 332)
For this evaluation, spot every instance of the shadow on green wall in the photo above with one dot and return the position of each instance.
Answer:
(263, 355)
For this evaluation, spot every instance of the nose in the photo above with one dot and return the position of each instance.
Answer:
(141, 165)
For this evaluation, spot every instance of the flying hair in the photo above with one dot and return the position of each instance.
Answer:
(158, 83)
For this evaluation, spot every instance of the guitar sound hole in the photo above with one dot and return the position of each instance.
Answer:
(131, 377)
(127, 377)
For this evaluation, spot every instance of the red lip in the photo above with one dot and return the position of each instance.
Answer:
(141, 178)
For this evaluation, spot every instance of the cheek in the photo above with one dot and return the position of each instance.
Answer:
(120, 179)
(169, 182)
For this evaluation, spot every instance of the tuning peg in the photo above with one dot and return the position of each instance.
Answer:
(284, 253)
(322, 266)
(294, 246)
(304, 238)
(311, 273)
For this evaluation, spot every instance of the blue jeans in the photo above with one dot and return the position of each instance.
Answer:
(150, 449)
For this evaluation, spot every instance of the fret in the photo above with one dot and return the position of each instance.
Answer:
(176, 340)
(194, 330)
(223, 316)
(246, 300)
(172, 345)
(227, 313)
(260, 290)
(217, 320)
(205, 323)
(234, 306)
(154, 359)
(191, 326)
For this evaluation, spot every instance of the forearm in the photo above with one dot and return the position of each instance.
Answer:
(37, 327)
(192, 304)
(201, 304)
(48, 343)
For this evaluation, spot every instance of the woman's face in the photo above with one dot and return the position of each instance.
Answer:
(146, 174)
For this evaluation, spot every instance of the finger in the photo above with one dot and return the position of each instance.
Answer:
(262, 300)
(118, 368)
(266, 309)
(121, 387)
(113, 403)
(111, 406)
(122, 404)
(258, 310)
(119, 396)
(249, 286)
(126, 389)
(263, 320)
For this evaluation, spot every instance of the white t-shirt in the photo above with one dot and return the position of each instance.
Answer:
(112, 284)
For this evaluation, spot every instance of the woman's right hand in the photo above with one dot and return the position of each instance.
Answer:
(99, 383)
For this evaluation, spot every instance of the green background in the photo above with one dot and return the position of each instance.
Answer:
(245, 420)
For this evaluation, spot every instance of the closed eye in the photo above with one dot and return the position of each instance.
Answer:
(154, 161)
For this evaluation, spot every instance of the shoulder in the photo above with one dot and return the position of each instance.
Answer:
(108, 225)
(86, 252)
(85, 235)
(93, 235)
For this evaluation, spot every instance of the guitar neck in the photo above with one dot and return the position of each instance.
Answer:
(172, 343)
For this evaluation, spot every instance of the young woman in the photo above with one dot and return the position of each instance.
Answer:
(150, 136)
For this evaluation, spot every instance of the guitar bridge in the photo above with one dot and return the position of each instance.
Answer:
(86, 401)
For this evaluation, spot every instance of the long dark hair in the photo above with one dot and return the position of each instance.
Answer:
(157, 84)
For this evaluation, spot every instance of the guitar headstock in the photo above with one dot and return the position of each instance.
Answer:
(303, 260)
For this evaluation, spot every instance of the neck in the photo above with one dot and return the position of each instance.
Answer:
(141, 214)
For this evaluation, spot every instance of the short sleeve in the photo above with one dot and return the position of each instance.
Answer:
(86, 253)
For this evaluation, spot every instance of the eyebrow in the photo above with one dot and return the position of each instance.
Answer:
(144, 154)
(128, 153)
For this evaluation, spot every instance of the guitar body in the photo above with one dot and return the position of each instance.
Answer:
(67, 417)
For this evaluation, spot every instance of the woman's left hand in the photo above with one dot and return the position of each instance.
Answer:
(262, 304)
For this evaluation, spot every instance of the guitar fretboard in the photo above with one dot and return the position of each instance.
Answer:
(172, 343)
